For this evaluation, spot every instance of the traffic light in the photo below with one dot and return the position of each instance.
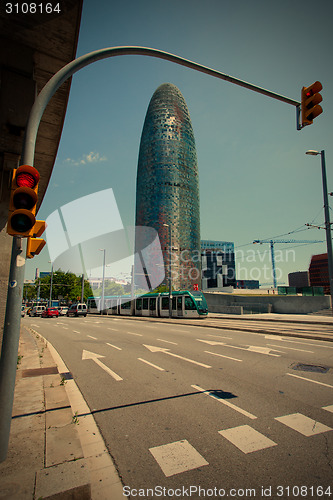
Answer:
(23, 201)
(35, 245)
(310, 100)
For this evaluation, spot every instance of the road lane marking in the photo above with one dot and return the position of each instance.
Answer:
(151, 364)
(152, 348)
(247, 439)
(76, 331)
(308, 343)
(291, 348)
(91, 337)
(222, 356)
(255, 348)
(167, 341)
(211, 342)
(132, 333)
(95, 357)
(174, 458)
(309, 380)
(223, 401)
(302, 424)
(114, 329)
(328, 408)
(111, 345)
(219, 336)
(180, 331)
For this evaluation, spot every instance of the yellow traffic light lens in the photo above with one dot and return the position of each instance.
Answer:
(24, 198)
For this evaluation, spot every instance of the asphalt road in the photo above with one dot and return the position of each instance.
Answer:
(183, 407)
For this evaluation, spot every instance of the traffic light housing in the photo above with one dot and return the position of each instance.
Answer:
(310, 99)
(23, 201)
(34, 244)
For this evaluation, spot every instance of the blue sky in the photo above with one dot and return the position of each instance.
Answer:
(255, 180)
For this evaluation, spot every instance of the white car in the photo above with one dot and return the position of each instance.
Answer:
(37, 311)
(62, 310)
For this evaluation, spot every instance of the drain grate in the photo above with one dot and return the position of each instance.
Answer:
(310, 368)
(36, 372)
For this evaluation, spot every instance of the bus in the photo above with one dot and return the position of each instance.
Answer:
(185, 304)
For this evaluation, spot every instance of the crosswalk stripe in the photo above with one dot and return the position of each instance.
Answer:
(247, 439)
(302, 424)
(177, 457)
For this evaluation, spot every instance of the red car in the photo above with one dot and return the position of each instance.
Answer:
(50, 312)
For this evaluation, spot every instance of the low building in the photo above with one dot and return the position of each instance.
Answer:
(299, 279)
(218, 264)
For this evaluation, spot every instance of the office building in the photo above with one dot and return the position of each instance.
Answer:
(167, 192)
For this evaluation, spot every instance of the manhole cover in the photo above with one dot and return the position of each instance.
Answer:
(310, 368)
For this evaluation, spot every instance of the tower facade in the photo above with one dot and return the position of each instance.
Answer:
(167, 192)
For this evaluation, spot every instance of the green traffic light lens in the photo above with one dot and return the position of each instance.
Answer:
(21, 222)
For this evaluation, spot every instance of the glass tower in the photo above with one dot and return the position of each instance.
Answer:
(167, 192)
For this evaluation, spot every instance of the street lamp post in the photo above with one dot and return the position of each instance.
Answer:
(327, 218)
(170, 283)
(102, 301)
(50, 300)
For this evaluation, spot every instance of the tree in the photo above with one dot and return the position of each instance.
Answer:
(66, 285)
(110, 288)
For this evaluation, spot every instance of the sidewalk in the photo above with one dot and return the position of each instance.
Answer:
(55, 448)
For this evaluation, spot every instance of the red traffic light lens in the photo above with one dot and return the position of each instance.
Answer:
(26, 180)
(27, 176)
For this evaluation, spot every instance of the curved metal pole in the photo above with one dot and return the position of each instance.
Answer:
(67, 71)
(12, 317)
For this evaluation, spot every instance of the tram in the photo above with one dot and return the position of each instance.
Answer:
(185, 304)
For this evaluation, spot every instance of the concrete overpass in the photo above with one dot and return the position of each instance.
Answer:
(34, 46)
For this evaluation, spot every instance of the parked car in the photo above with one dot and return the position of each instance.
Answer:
(37, 311)
(77, 310)
(50, 312)
(62, 311)
(22, 311)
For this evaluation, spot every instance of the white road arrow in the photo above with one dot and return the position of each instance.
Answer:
(211, 342)
(152, 348)
(95, 357)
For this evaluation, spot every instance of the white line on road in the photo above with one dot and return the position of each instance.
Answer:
(211, 342)
(152, 348)
(91, 337)
(168, 341)
(223, 401)
(132, 333)
(291, 348)
(310, 380)
(222, 356)
(95, 357)
(151, 364)
(114, 329)
(308, 343)
(255, 348)
(219, 336)
(76, 331)
(111, 345)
